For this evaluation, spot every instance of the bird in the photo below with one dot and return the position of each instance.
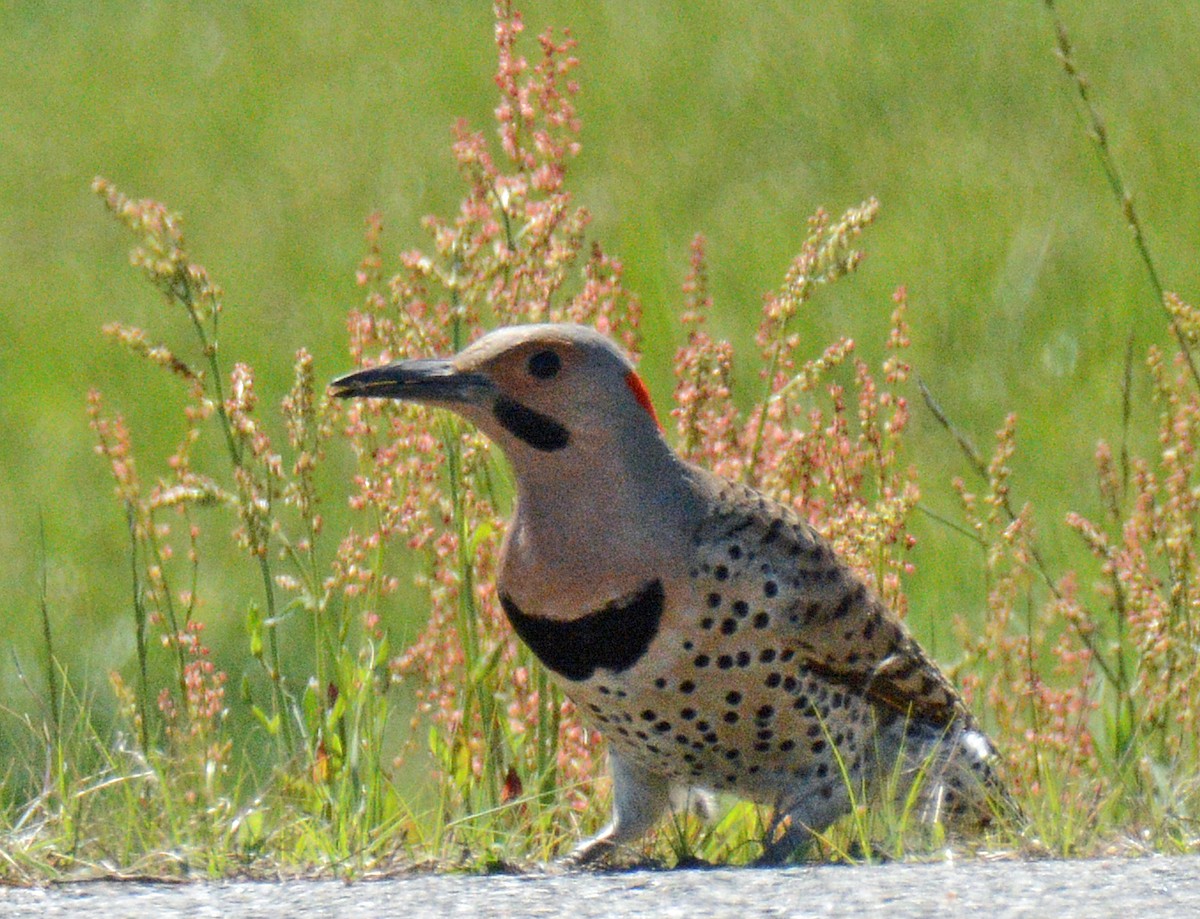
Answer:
(708, 632)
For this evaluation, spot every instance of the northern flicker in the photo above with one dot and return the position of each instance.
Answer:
(708, 632)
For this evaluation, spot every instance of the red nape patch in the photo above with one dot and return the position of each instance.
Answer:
(642, 394)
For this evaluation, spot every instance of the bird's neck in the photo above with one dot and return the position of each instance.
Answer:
(583, 534)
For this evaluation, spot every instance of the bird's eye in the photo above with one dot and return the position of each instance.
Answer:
(544, 365)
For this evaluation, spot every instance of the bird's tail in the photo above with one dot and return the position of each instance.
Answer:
(956, 771)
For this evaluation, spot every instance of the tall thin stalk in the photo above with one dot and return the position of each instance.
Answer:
(184, 292)
(139, 631)
(1098, 133)
(47, 637)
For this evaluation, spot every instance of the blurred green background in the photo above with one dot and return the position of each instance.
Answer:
(276, 128)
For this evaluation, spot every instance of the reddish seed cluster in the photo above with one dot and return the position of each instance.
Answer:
(1042, 708)
(507, 257)
(514, 253)
(260, 486)
(1128, 644)
(837, 465)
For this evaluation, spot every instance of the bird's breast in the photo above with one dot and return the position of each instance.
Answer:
(732, 709)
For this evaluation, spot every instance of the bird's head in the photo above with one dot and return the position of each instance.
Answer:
(551, 391)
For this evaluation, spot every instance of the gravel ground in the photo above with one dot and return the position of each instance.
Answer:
(1160, 887)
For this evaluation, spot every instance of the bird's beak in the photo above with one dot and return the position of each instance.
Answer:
(430, 380)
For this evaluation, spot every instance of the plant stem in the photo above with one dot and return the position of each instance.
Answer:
(47, 639)
(280, 697)
(1112, 172)
(139, 622)
(980, 467)
(751, 472)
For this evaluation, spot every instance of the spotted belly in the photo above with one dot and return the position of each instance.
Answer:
(747, 719)
(701, 685)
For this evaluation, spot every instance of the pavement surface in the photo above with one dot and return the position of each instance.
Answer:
(1128, 888)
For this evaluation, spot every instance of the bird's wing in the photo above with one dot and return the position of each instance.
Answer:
(837, 626)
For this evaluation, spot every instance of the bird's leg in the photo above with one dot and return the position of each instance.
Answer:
(796, 823)
(639, 799)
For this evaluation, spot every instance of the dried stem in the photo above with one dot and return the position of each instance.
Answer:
(980, 467)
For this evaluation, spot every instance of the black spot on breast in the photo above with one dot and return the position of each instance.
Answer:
(537, 430)
(843, 606)
(613, 638)
(739, 526)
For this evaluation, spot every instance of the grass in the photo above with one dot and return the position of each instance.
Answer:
(289, 747)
